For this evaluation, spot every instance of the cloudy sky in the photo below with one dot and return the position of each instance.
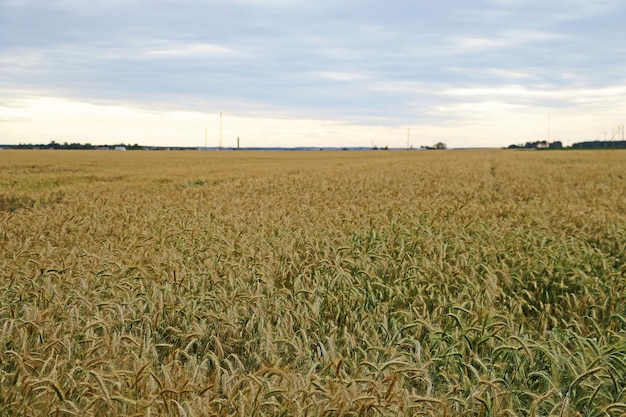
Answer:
(320, 73)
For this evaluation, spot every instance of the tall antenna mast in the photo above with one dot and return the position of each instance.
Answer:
(408, 137)
(206, 136)
(618, 132)
(220, 131)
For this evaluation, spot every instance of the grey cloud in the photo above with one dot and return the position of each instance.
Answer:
(348, 59)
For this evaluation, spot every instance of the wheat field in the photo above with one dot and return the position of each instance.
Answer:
(371, 283)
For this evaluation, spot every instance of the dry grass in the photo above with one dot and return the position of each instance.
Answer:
(313, 283)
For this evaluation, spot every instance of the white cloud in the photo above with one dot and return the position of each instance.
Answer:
(189, 50)
(510, 91)
(505, 39)
(411, 87)
(22, 60)
(42, 119)
(340, 76)
(512, 75)
(560, 10)
(479, 43)
(483, 122)
(514, 93)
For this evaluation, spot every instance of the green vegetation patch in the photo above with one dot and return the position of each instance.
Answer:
(15, 202)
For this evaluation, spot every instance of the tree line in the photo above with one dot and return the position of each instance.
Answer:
(74, 145)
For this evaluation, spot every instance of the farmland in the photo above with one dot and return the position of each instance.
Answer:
(383, 283)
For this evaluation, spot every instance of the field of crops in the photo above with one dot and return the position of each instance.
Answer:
(387, 283)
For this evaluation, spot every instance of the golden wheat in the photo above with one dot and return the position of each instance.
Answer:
(312, 283)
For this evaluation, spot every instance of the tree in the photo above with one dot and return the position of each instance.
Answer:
(440, 145)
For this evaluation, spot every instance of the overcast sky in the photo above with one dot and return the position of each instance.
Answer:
(319, 73)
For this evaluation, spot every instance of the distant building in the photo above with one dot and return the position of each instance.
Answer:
(120, 148)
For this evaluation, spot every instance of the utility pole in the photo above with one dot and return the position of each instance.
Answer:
(408, 138)
(220, 131)
(548, 140)
(206, 136)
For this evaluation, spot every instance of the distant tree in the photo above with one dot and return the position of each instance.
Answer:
(440, 145)
(556, 145)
